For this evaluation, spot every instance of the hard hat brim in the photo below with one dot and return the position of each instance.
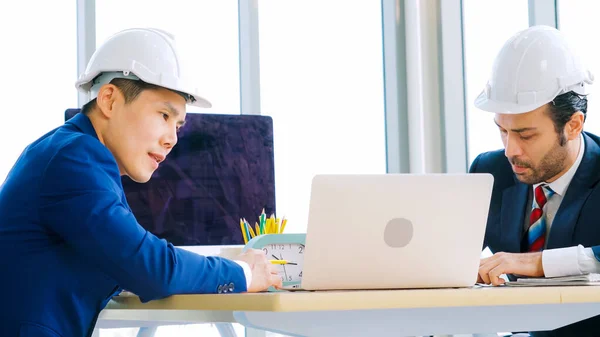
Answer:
(200, 102)
(83, 85)
(484, 103)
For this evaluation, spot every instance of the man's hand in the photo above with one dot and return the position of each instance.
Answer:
(525, 264)
(264, 274)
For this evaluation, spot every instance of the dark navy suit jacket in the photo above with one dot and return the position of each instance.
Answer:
(69, 241)
(577, 220)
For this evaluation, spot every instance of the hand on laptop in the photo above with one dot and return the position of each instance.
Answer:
(524, 264)
(264, 274)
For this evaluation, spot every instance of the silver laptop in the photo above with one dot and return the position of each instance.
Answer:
(393, 231)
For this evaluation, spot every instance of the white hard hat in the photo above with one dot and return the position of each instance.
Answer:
(532, 68)
(145, 54)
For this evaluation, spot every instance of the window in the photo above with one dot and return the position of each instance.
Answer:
(206, 33)
(487, 25)
(39, 73)
(322, 82)
(578, 21)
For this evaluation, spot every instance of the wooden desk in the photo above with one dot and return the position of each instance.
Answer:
(374, 312)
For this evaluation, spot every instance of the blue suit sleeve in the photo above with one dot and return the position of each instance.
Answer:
(81, 201)
(596, 250)
(473, 168)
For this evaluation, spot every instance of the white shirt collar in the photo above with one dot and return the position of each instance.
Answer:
(560, 185)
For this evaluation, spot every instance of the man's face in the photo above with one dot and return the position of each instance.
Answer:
(532, 145)
(141, 134)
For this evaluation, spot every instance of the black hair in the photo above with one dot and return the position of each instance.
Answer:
(131, 89)
(563, 107)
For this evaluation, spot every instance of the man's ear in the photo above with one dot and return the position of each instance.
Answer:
(107, 97)
(574, 126)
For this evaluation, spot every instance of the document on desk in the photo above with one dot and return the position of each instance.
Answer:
(578, 280)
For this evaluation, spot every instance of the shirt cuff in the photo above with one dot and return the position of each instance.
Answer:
(587, 261)
(561, 262)
(247, 272)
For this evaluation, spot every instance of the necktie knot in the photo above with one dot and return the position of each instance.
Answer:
(542, 193)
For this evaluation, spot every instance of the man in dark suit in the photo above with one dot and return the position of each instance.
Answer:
(544, 213)
(68, 238)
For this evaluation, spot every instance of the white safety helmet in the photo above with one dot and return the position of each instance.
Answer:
(139, 54)
(532, 68)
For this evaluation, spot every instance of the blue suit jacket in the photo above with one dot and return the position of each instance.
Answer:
(576, 222)
(69, 241)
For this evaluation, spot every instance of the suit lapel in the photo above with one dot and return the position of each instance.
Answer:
(586, 176)
(514, 203)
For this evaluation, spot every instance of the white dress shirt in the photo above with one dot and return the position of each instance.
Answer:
(574, 260)
(248, 271)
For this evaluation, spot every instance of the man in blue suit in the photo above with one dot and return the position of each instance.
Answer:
(68, 239)
(543, 217)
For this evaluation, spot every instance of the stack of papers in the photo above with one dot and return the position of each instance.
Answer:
(579, 280)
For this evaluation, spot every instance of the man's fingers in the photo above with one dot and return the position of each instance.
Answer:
(483, 274)
(275, 281)
(492, 267)
(486, 267)
(484, 277)
(495, 274)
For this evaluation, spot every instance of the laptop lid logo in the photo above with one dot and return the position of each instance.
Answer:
(398, 232)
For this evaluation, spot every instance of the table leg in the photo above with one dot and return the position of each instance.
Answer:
(226, 329)
(147, 331)
(251, 332)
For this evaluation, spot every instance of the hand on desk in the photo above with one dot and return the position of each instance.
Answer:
(264, 273)
(524, 264)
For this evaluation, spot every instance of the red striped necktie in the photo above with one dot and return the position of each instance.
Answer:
(536, 233)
